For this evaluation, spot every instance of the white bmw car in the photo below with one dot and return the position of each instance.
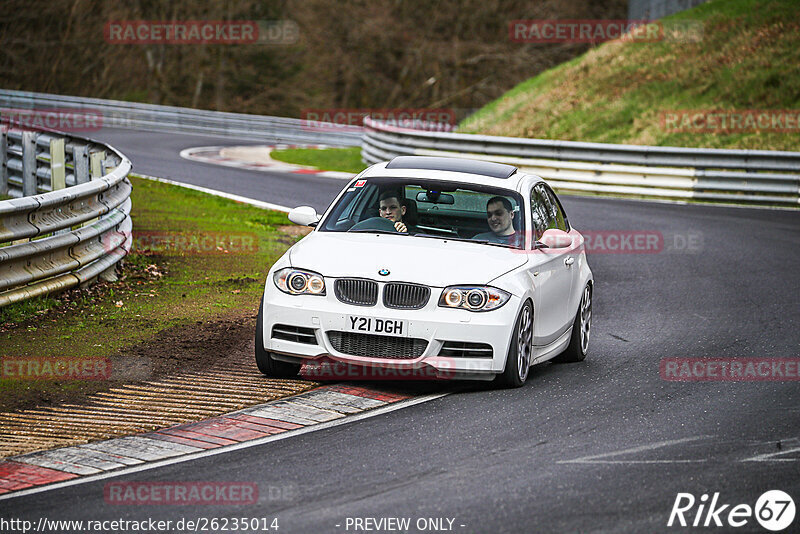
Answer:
(459, 268)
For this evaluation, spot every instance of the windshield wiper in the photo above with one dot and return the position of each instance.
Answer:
(467, 240)
(374, 231)
(487, 242)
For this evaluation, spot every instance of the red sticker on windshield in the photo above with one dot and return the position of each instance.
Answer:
(360, 183)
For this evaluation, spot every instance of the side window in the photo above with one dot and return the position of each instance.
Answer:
(539, 211)
(556, 211)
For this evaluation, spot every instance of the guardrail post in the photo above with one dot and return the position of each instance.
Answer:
(58, 171)
(110, 274)
(3, 160)
(96, 172)
(29, 164)
(80, 157)
(96, 164)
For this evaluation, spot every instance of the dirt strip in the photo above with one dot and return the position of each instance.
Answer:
(190, 373)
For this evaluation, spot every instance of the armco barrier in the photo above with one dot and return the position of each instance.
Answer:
(737, 176)
(68, 221)
(131, 115)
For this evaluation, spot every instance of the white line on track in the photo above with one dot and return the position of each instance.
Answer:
(579, 461)
(596, 459)
(770, 456)
(222, 450)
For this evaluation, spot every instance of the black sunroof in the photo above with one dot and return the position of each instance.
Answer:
(485, 168)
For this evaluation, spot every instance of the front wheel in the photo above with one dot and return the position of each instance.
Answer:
(518, 361)
(581, 328)
(266, 364)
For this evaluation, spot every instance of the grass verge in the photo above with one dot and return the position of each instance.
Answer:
(328, 159)
(196, 258)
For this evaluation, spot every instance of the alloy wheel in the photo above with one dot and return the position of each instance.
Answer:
(524, 335)
(586, 318)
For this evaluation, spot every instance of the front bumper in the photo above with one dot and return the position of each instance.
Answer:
(435, 325)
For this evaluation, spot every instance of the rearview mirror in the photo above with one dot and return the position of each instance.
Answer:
(435, 197)
(304, 215)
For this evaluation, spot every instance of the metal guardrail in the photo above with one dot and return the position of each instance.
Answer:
(131, 115)
(656, 9)
(68, 221)
(738, 176)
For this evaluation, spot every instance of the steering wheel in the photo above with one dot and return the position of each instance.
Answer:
(374, 223)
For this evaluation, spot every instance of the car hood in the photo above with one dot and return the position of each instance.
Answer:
(433, 262)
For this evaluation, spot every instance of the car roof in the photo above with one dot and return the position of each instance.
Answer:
(469, 166)
(463, 170)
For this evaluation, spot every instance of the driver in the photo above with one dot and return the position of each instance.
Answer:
(391, 208)
(500, 216)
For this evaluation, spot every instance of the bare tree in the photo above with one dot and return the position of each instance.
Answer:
(350, 53)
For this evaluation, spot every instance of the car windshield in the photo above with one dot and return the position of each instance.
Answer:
(430, 209)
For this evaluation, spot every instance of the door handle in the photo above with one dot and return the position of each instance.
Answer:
(569, 261)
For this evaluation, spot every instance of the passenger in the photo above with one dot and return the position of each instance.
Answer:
(500, 216)
(391, 208)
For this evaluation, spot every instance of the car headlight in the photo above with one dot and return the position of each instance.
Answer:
(299, 282)
(473, 298)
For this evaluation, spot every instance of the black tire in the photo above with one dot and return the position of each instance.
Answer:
(581, 326)
(516, 371)
(266, 364)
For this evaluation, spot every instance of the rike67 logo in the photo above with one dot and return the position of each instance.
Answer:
(774, 511)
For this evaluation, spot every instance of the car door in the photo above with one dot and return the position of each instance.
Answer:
(551, 271)
(575, 249)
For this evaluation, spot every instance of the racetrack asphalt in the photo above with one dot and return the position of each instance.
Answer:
(600, 446)
(157, 154)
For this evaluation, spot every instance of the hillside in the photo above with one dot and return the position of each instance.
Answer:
(748, 58)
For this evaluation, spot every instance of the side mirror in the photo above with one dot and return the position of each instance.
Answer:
(304, 215)
(555, 238)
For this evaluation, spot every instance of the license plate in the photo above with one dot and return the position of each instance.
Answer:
(375, 325)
